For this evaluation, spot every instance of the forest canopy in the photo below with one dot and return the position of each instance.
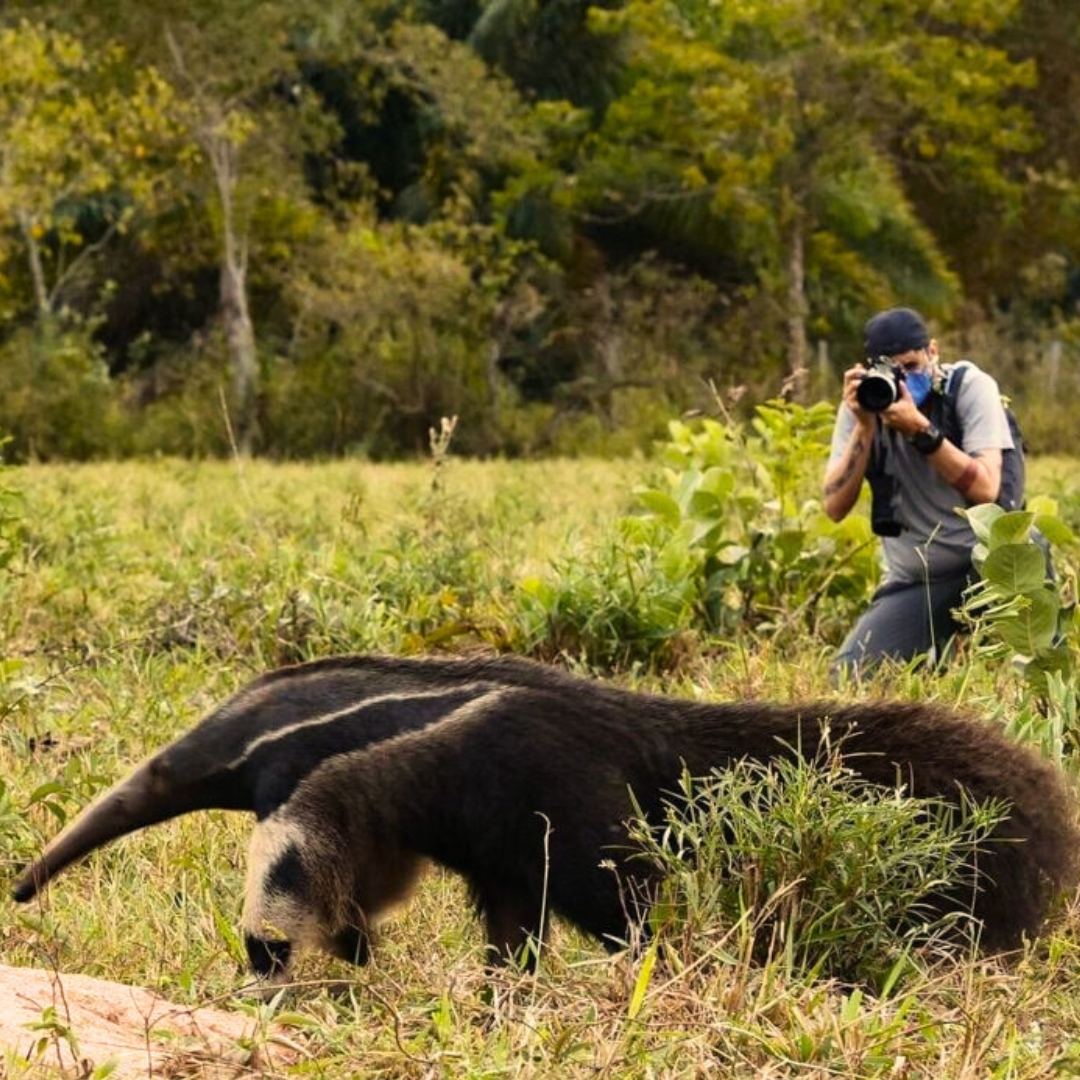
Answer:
(314, 229)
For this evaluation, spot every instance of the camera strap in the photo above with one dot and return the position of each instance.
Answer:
(943, 411)
(879, 451)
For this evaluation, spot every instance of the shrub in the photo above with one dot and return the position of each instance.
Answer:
(807, 864)
(761, 552)
(729, 537)
(1017, 610)
(625, 603)
(58, 402)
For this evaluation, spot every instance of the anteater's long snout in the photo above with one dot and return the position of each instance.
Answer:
(144, 798)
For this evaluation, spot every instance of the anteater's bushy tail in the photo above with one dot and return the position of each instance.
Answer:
(1032, 856)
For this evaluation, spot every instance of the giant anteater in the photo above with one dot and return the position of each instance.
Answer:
(521, 778)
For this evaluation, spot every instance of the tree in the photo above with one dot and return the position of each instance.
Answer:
(550, 51)
(794, 119)
(78, 154)
(234, 71)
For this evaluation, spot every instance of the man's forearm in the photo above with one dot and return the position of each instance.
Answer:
(843, 479)
(976, 477)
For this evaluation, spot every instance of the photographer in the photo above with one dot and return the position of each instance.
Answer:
(884, 434)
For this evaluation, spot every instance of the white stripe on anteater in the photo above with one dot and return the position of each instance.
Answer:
(352, 712)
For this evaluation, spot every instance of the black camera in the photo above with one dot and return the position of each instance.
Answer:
(884, 503)
(884, 519)
(880, 386)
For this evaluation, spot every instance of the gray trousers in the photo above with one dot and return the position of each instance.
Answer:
(903, 622)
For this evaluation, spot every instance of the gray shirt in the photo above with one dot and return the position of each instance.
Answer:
(936, 541)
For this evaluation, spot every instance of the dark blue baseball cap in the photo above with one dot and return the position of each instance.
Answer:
(897, 330)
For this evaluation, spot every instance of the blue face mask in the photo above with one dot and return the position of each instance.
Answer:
(919, 384)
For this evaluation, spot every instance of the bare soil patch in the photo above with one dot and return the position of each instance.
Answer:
(143, 1033)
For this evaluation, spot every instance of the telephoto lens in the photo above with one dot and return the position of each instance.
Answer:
(880, 386)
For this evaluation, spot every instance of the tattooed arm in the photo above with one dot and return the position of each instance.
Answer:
(844, 476)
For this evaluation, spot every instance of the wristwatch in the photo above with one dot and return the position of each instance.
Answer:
(928, 440)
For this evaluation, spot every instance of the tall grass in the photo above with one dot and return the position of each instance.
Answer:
(139, 595)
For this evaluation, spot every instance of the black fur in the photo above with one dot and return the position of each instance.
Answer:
(519, 777)
(528, 790)
(269, 959)
(287, 874)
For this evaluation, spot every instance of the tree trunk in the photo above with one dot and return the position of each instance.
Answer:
(796, 302)
(607, 343)
(235, 313)
(37, 271)
(223, 152)
(240, 337)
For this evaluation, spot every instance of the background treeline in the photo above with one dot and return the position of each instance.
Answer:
(315, 228)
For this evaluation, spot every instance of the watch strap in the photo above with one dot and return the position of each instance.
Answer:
(929, 440)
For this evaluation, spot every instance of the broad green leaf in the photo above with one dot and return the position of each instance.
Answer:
(1015, 568)
(1054, 529)
(1011, 528)
(1033, 627)
(661, 504)
(981, 518)
(705, 533)
(706, 504)
(1058, 660)
(718, 482)
(1043, 505)
(730, 554)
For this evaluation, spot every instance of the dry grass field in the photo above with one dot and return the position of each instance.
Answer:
(134, 597)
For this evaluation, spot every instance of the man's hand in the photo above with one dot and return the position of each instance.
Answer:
(852, 377)
(903, 415)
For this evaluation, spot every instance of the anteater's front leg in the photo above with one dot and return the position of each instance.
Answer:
(513, 923)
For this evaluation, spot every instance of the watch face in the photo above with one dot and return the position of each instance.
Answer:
(926, 442)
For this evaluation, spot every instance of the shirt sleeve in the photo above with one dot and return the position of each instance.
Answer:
(981, 413)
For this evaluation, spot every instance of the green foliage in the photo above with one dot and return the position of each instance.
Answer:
(1049, 720)
(709, 185)
(728, 540)
(806, 864)
(10, 510)
(623, 603)
(374, 378)
(82, 130)
(787, 118)
(1016, 606)
(58, 400)
(742, 502)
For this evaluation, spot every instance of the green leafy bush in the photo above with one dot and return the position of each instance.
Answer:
(729, 538)
(627, 602)
(58, 401)
(1017, 609)
(806, 864)
(761, 552)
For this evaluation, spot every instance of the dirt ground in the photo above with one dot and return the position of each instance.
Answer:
(145, 1035)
